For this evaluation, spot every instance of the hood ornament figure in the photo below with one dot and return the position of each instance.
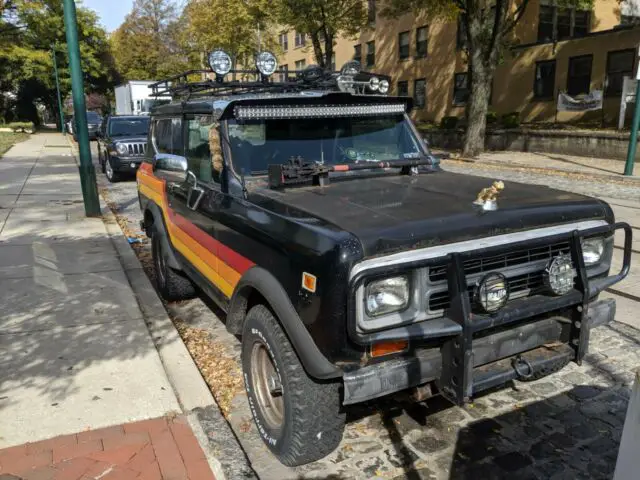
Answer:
(487, 198)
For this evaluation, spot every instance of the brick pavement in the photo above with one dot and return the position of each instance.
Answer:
(158, 449)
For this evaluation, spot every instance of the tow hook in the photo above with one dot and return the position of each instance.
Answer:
(523, 368)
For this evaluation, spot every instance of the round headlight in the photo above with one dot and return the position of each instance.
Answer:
(492, 292)
(220, 62)
(592, 250)
(384, 86)
(560, 274)
(350, 68)
(122, 149)
(374, 83)
(387, 296)
(266, 63)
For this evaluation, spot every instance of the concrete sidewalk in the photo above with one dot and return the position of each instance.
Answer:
(75, 353)
(560, 163)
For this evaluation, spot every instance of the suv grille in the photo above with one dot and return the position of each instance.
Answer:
(523, 268)
(136, 149)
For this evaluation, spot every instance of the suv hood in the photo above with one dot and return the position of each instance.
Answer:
(394, 213)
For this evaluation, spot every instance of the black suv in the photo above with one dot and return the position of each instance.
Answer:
(310, 209)
(94, 122)
(122, 144)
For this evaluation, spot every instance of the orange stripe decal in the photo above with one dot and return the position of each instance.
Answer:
(220, 264)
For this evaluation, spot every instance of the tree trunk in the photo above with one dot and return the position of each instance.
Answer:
(317, 49)
(477, 107)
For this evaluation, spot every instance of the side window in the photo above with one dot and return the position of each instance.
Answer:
(162, 136)
(201, 162)
(177, 145)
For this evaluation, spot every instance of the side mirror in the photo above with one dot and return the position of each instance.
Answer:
(172, 168)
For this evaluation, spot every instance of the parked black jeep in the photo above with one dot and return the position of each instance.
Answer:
(353, 267)
(122, 143)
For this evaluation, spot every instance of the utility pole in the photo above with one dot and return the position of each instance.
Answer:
(55, 72)
(633, 136)
(87, 170)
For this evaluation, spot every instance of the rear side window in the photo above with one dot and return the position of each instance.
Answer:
(167, 136)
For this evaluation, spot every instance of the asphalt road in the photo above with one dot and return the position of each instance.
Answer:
(565, 426)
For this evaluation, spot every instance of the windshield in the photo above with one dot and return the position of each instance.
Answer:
(130, 126)
(333, 141)
(93, 117)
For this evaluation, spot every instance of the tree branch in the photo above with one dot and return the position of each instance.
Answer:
(517, 16)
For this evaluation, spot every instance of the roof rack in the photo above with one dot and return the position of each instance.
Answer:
(349, 79)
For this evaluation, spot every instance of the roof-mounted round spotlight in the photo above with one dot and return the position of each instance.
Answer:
(351, 68)
(220, 62)
(383, 87)
(312, 73)
(266, 63)
(374, 83)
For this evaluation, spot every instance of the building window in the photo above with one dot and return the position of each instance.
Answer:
(545, 81)
(300, 39)
(629, 20)
(619, 65)
(461, 39)
(284, 41)
(284, 72)
(403, 88)
(403, 45)
(579, 76)
(420, 93)
(422, 39)
(300, 64)
(333, 62)
(569, 23)
(371, 11)
(357, 53)
(460, 88)
(371, 53)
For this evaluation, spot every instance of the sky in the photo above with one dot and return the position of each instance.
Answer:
(111, 12)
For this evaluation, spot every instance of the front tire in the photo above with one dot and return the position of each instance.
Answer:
(111, 175)
(299, 418)
(172, 285)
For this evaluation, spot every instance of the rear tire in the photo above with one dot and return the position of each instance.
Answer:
(101, 160)
(299, 418)
(172, 285)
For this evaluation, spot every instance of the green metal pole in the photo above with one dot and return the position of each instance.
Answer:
(633, 137)
(87, 170)
(55, 71)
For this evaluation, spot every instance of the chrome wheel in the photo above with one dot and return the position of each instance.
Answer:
(267, 386)
(108, 169)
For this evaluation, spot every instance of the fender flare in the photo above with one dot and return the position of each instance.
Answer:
(159, 224)
(257, 278)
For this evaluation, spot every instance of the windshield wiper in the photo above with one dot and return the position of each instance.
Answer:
(297, 171)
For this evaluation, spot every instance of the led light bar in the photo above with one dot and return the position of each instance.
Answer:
(325, 111)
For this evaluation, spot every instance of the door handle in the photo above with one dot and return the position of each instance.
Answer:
(195, 192)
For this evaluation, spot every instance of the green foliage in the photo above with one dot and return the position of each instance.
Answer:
(322, 21)
(449, 123)
(510, 120)
(9, 139)
(28, 30)
(492, 117)
(239, 27)
(20, 126)
(150, 44)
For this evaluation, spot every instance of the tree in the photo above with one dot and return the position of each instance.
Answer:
(28, 31)
(322, 21)
(241, 27)
(488, 26)
(148, 45)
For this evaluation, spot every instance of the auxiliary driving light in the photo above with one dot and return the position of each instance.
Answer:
(492, 292)
(559, 275)
(350, 68)
(383, 87)
(220, 62)
(266, 63)
(374, 83)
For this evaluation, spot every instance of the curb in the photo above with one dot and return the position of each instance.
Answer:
(192, 392)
